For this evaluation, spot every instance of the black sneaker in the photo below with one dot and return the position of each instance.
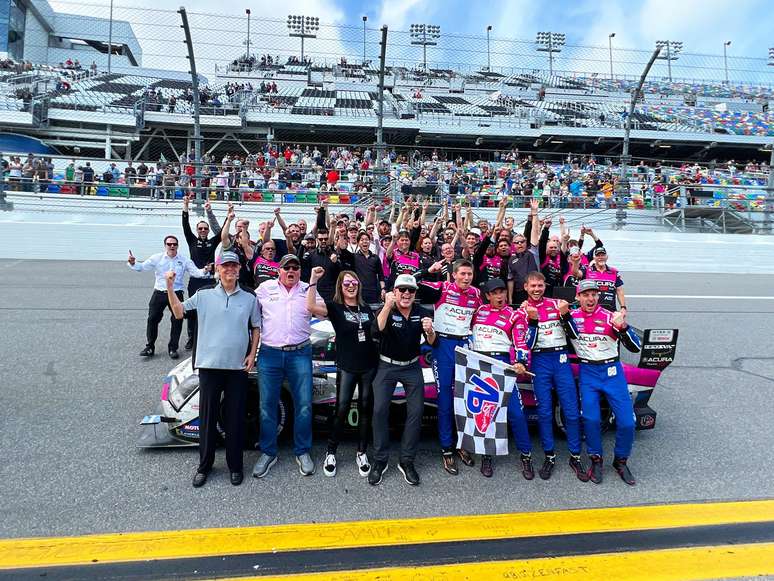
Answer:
(409, 473)
(580, 470)
(450, 462)
(623, 471)
(466, 458)
(548, 467)
(377, 472)
(595, 470)
(527, 471)
(147, 352)
(188, 344)
(173, 354)
(487, 467)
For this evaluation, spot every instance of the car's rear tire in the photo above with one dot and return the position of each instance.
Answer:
(606, 415)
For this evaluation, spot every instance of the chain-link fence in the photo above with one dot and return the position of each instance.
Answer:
(226, 42)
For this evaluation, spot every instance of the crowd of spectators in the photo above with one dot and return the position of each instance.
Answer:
(576, 181)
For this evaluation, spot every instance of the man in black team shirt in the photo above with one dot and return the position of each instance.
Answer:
(201, 248)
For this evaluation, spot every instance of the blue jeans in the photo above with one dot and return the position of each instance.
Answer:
(609, 380)
(274, 366)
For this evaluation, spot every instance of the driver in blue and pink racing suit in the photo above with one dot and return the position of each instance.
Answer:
(499, 331)
(455, 303)
(547, 342)
(595, 333)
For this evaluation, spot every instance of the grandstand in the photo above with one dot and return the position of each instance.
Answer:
(138, 112)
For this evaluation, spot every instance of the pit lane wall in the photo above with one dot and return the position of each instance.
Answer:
(38, 227)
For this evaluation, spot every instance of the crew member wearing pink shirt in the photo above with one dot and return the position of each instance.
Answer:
(286, 353)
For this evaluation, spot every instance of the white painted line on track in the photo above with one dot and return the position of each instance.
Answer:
(701, 297)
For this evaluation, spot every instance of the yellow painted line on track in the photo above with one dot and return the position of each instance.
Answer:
(180, 544)
(664, 565)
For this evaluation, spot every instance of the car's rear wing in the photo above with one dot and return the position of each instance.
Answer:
(659, 347)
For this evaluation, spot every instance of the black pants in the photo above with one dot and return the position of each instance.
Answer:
(159, 302)
(387, 376)
(519, 296)
(232, 384)
(345, 388)
(194, 284)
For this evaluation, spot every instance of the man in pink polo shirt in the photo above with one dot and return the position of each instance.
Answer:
(286, 353)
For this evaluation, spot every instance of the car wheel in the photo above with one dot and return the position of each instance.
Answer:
(606, 415)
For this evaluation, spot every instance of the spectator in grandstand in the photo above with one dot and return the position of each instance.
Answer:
(161, 264)
(356, 361)
(286, 353)
(326, 256)
(130, 174)
(226, 348)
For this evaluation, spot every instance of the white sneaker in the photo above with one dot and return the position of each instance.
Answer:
(329, 464)
(363, 465)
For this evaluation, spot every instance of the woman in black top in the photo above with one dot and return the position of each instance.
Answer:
(356, 360)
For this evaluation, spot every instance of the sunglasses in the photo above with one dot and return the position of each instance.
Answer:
(292, 267)
(405, 290)
(171, 243)
(350, 284)
(519, 241)
(203, 228)
(323, 239)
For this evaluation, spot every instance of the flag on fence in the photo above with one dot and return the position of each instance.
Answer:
(482, 388)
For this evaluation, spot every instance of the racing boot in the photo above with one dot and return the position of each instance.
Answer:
(595, 470)
(466, 458)
(623, 471)
(487, 467)
(577, 466)
(527, 471)
(449, 462)
(548, 466)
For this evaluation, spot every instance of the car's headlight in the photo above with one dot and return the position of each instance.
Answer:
(179, 393)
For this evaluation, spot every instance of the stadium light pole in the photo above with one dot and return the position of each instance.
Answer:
(110, 37)
(771, 57)
(198, 191)
(365, 19)
(673, 48)
(247, 11)
(550, 42)
(610, 46)
(623, 182)
(488, 51)
(303, 27)
(424, 35)
(725, 58)
(380, 110)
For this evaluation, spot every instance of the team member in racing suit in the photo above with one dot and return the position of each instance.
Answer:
(455, 303)
(608, 279)
(499, 332)
(402, 260)
(595, 335)
(550, 364)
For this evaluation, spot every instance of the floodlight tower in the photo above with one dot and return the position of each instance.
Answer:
(673, 49)
(425, 35)
(488, 51)
(725, 58)
(303, 27)
(550, 42)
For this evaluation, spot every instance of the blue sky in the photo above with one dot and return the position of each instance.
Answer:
(702, 25)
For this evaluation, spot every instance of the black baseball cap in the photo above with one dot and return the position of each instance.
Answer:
(493, 284)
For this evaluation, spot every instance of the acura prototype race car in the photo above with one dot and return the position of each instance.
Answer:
(176, 419)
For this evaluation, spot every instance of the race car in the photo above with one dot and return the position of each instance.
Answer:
(176, 419)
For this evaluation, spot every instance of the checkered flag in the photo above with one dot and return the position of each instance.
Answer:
(482, 388)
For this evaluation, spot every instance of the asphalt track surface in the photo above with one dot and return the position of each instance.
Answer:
(74, 391)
